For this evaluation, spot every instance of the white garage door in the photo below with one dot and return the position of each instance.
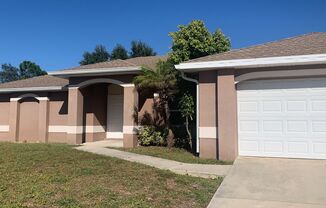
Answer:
(282, 118)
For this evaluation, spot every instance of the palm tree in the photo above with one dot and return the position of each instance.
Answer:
(161, 80)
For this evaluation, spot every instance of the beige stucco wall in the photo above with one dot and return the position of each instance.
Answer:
(208, 115)
(4, 117)
(4, 136)
(130, 101)
(58, 108)
(64, 116)
(75, 116)
(227, 116)
(217, 121)
(28, 120)
(146, 111)
(34, 115)
(57, 137)
(207, 97)
(4, 111)
(58, 117)
(224, 99)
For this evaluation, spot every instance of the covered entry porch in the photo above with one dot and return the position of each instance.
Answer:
(100, 109)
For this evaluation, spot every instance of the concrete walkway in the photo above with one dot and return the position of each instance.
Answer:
(273, 183)
(199, 170)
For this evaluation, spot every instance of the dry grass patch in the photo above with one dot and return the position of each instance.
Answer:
(49, 175)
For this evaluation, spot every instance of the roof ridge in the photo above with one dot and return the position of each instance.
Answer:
(128, 62)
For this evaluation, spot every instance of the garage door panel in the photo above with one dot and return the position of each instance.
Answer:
(319, 148)
(318, 105)
(273, 126)
(249, 145)
(273, 146)
(249, 107)
(251, 126)
(282, 118)
(318, 127)
(297, 127)
(274, 106)
(296, 147)
(296, 106)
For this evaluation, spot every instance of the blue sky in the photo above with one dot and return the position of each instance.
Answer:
(55, 33)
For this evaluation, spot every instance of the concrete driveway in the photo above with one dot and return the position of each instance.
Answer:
(273, 182)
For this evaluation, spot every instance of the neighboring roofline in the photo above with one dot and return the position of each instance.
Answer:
(32, 89)
(251, 63)
(96, 71)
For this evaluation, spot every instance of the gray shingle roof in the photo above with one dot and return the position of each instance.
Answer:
(149, 61)
(312, 43)
(52, 81)
(41, 81)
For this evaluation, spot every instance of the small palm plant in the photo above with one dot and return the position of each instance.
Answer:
(161, 80)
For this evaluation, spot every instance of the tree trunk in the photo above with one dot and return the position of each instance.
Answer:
(170, 136)
(167, 114)
(189, 133)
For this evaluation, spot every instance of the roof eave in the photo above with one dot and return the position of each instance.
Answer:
(96, 72)
(252, 63)
(32, 89)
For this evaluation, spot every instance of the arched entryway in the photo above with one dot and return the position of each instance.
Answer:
(85, 109)
(102, 109)
(94, 112)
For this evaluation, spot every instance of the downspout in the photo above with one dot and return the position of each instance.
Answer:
(197, 106)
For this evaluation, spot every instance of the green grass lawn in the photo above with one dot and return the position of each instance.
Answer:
(176, 154)
(50, 175)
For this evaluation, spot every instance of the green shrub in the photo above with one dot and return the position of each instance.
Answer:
(150, 136)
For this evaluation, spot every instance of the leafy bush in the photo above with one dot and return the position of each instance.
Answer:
(150, 136)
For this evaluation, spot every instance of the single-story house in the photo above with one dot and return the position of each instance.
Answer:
(267, 100)
(83, 104)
